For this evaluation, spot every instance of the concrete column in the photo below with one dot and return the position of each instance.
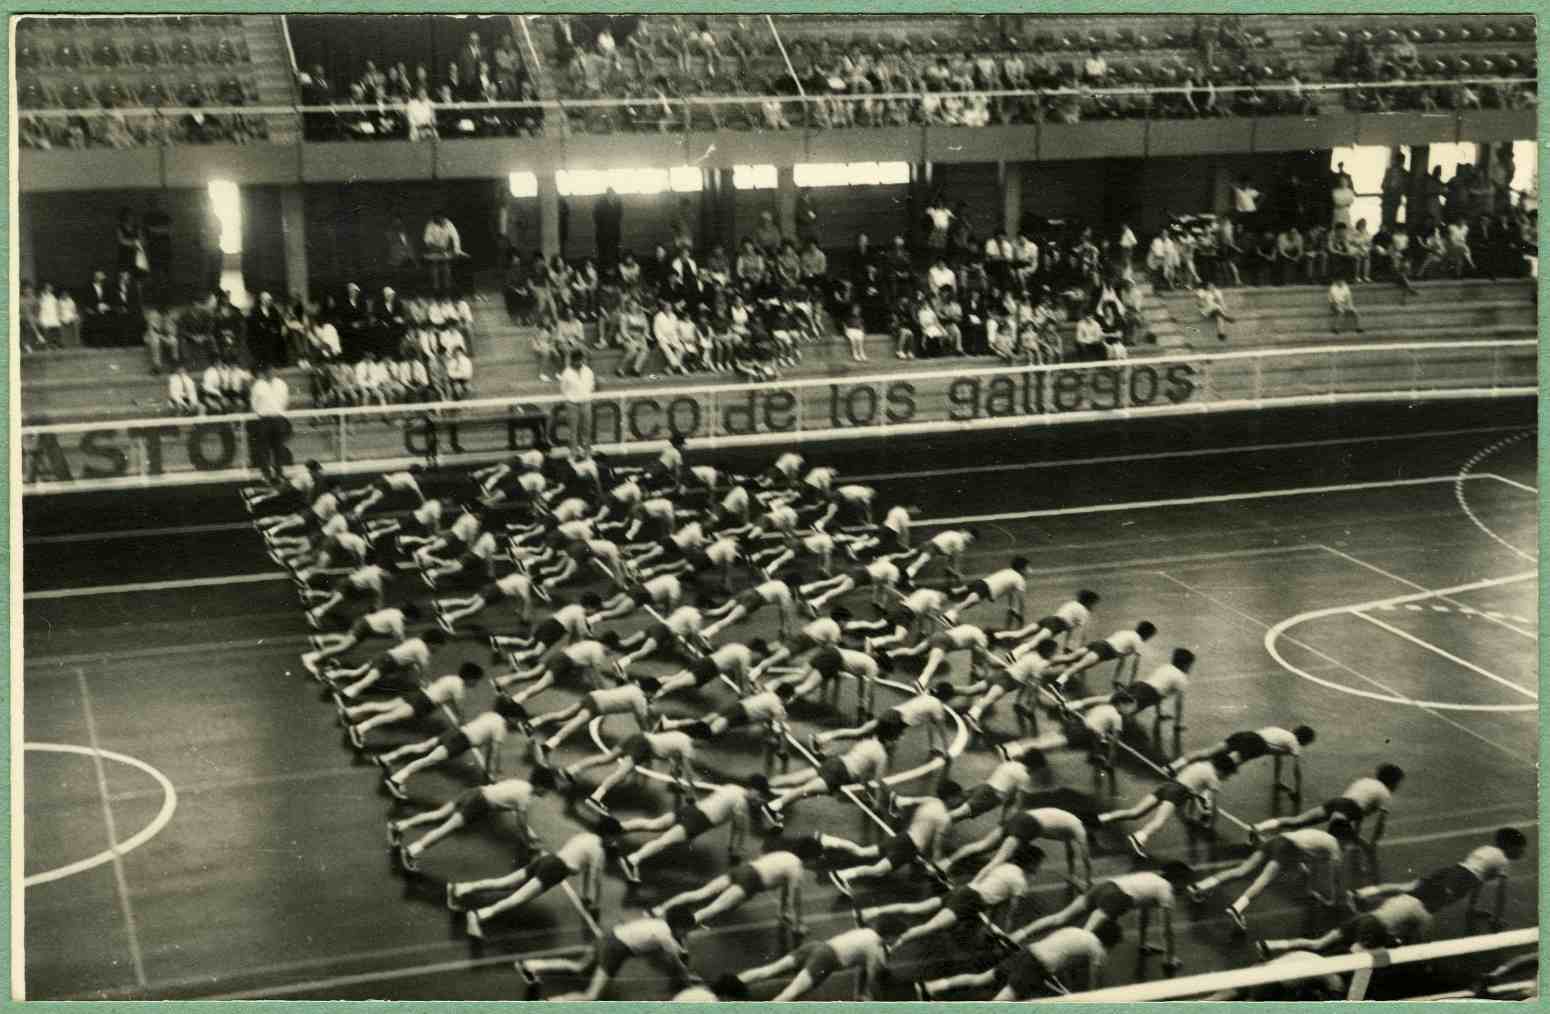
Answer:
(1011, 198)
(786, 199)
(548, 215)
(26, 260)
(726, 210)
(293, 236)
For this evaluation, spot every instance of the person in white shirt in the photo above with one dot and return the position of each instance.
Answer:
(628, 699)
(485, 731)
(1001, 885)
(421, 116)
(1069, 618)
(1007, 583)
(445, 691)
(1114, 898)
(939, 276)
(767, 708)
(582, 854)
(1014, 837)
(471, 807)
(1095, 67)
(949, 546)
(1166, 683)
(920, 842)
(581, 662)
(910, 618)
(1342, 307)
(730, 661)
(577, 385)
(1040, 969)
(268, 399)
(773, 871)
(1021, 678)
(516, 587)
(1400, 920)
(1317, 851)
(936, 648)
(1252, 744)
(814, 963)
(658, 941)
(1361, 799)
(731, 805)
(441, 245)
(676, 748)
(923, 709)
(1213, 307)
(1196, 784)
(460, 374)
(378, 623)
(1445, 886)
(880, 576)
(183, 392)
(865, 763)
(1118, 645)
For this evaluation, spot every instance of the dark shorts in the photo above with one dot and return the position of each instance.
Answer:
(747, 878)
(1247, 745)
(1110, 900)
(860, 577)
(612, 953)
(640, 596)
(419, 704)
(551, 631)
(562, 665)
(1054, 624)
(1103, 649)
(637, 748)
(387, 665)
(1173, 792)
(352, 591)
(941, 640)
(361, 630)
(735, 713)
(1441, 888)
(900, 617)
(1343, 807)
(834, 774)
(819, 962)
(802, 643)
(549, 870)
(900, 850)
(455, 743)
(472, 806)
(664, 637)
(1024, 974)
(455, 546)
(1011, 684)
(579, 551)
(670, 549)
(891, 723)
(1145, 695)
(694, 822)
(704, 671)
(964, 902)
(982, 799)
(1283, 850)
(491, 593)
(654, 528)
(1024, 827)
(981, 589)
(1079, 736)
(750, 600)
(828, 663)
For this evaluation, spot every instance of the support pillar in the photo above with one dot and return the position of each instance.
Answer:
(293, 238)
(548, 215)
(1011, 198)
(726, 210)
(26, 261)
(786, 200)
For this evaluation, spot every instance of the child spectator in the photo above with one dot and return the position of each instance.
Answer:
(183, 392)
(160, 341)
(855, 333)
(1208, 298)
(48, 323)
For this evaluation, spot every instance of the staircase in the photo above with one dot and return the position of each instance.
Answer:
(272, 72)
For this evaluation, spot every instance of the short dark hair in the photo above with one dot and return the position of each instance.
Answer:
(1087, 598)
(1391, 775)
(1146, 628)
(1511, 841)
(1304, 734)
(1183, 659)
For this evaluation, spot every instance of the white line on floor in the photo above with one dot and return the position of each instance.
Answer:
(153, 586)
(121, 882)
(1492, 617)
(1447, 655)
(1525, 487)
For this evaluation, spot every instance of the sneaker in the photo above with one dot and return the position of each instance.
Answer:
(1003, 752)
(528, 976)
(628, 868)
(313, 621)
(1136, 847)
(471, 924)
(542, 594)
(597, 807)
(1262, 950)
(445, 624)
(394, 789)
(309, 662)
(813, 746)
(395, 837)
(407, 861)
(840, 885)
(973, 723)
(1237, 919)
(921, 993)
(1195, 894)
(356, 739)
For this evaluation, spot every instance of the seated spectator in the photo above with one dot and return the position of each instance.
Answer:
(460, 375)
(47, 322)
(1089, 339)
(939, 276)
(1213, 307)
(1095, 68)
(420, 115)
(1289, 253)
(161, 342)
(1341, 305)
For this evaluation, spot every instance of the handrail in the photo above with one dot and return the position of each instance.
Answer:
(466, 408)
(716, 100)
(1307, 968)
(285, 31)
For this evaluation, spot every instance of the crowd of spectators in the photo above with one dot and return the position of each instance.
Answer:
(397, 102)
(752, 307)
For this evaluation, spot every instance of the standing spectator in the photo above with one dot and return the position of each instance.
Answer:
(442, 246)
(1245, 203)
(46, 318)
(1289, 252)
(400, 252)
(1341, 197)
(1396, 184)
(578, 384)
(161, 342)
(806, 219)
(127, 240)
(354, 320)
(158, 248)
(469, 57)
(210, 250)
(1127, 249)
(939, 218)
(268, 399)
(1433, 189)
(69, 321)
(420, 116)
(128, 310)
(608, 219)
(266, 337)
(767, 236)
(1342, 306)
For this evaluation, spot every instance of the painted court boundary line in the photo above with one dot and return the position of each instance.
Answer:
(1461, 606)
(1446, 654)
(1105, 508)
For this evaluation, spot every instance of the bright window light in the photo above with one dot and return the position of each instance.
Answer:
(1365, 165)
(893, 172)
(227, 203)
(851, 174)
(1449, 156)
(753, 177)
(524, 184)
(821, 174)
(591, 182)
(1525, 167)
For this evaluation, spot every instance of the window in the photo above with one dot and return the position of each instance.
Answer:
(1450, 156)
(1525, 168)
(851, 174)
(524, 184)
(591, 182)
(754, 177)
(1365, 164)
(227, 204)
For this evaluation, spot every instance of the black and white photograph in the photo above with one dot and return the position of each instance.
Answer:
(715, 506)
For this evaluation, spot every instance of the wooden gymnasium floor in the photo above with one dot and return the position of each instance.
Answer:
(161, 657)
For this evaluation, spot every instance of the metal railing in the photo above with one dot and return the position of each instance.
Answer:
(162, 124)
(70, 456)
(1360, 966)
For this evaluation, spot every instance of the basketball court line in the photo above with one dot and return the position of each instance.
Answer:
(1499, 621)
(1446, 654)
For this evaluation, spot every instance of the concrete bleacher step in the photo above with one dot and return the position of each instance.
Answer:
(1198, 338)
(1381, 293)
